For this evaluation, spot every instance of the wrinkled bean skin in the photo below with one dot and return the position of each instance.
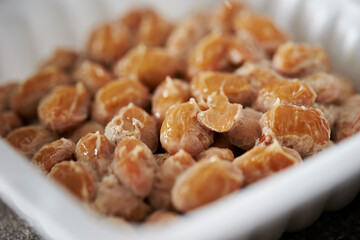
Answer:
(95, 151)
(263, 161)
(108, 42)
(150, 65)
(181, 130)
(133, 122)
(169, 171)
(117, 94)
(303, 129)
(92, 75)
(134, 165)
(64, 108)
(264, 31)
(348, 122)
(29, 139)
(28, 95)
(217, 52)
(116, 200)
(204, 182)
(76, 178)
(246, 131)
(222, 153)
(295, 58)
(168, 93)
(53, 153)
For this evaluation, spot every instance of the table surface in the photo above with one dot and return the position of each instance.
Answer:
(342, 224)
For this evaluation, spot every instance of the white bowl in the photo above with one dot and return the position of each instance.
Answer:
(290, 200)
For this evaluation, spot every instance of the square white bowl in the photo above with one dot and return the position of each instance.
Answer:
(290, 200)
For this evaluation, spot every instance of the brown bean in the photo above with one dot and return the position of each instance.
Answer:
(205, 182)
(347, 89)
(261, 28)
(153, 30)
(147, 26)
(85, 128)
(293, 91)
(78, 179)
(108, 42)
(263, 161)
(93, 75)
(296, 58)
(165, 177)
(221, 115)
(258, 74)
(133, 122)
(117, 94)
(28, 140)
(303, 129)
(8, 122)
(222, 153)
(132, 18)
(219, 52)
(185, 36)
(326, 86)
(151, 65)
(134, 165)
(61, 58)
(348, 122)
(64, 108)
(181, 130)
(95, 151)
(28, 95)
(7, 91)
(114, 199)
(162, 217)
(168, 93)
(235, 87)
(53, 153)
(330, 111)
(225, 14)
(246, 130)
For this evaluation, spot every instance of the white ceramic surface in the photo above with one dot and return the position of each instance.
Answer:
(291, 200)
